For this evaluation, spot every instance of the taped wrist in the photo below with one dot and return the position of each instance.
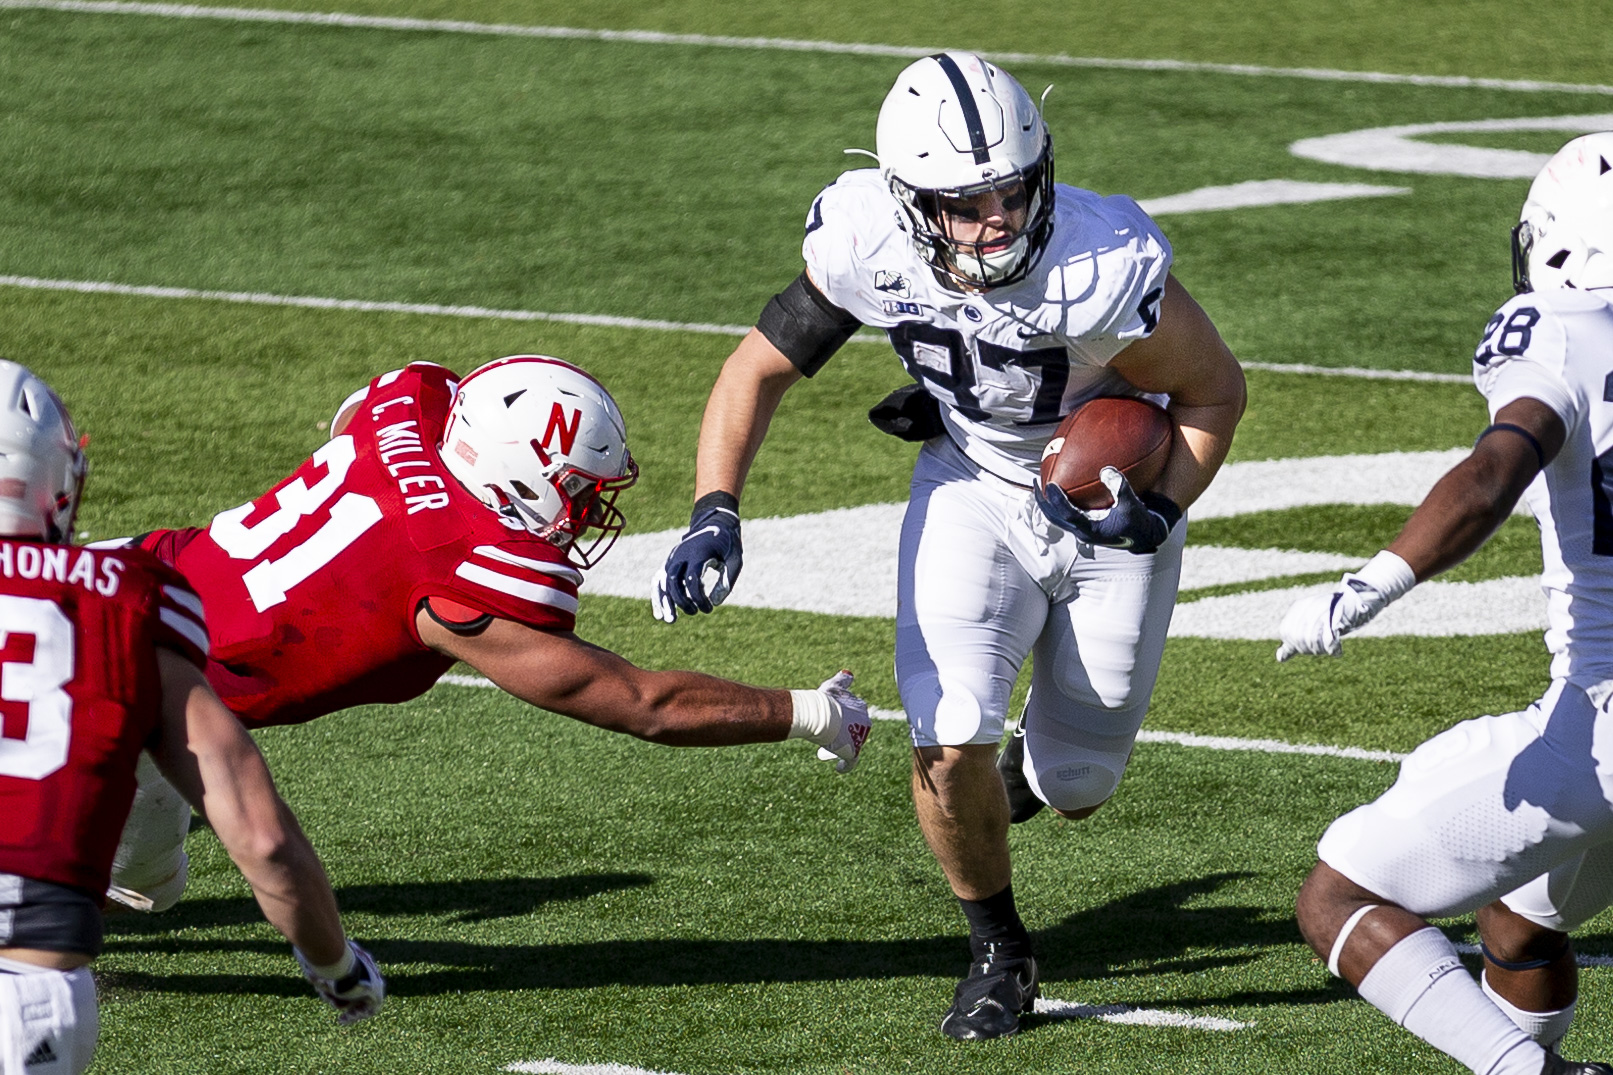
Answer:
(816, 717)
(805, 326)
(716, 499)
(337, 970)
(1388, 574)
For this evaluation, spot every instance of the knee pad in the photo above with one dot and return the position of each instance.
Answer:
(951, 710)
(1069, 770)
(154, 892)
(150, 867)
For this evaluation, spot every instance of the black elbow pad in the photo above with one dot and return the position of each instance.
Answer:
(805, 326)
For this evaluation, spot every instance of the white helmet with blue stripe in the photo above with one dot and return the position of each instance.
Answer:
(954, 127)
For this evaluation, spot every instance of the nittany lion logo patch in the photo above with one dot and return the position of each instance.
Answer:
(893, 283)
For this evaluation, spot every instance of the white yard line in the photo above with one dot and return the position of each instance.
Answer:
(1122, 1014)
(1356, 371)
(555, 1067)
(316, 302)
(1265, 746)
(807, 563)
(320, 302)
(1181, 739)
(1125, 1014)
(1262, 192)
(782, 44)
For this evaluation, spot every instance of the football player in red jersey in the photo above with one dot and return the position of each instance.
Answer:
(444, 521)
(102, 652)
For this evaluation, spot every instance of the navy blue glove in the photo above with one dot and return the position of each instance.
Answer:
(710, 543)
(1138, 524)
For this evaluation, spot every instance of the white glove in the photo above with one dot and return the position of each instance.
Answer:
(355, 995)
(833, 718)
(1317, 623)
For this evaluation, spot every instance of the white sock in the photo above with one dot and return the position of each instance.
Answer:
(1547, 1028)
(1422, 985)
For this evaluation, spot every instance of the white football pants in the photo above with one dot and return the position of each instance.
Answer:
(48, 1020)
(150, 867)
(985, 580)
(1518, 807)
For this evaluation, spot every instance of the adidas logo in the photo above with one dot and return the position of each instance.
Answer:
(43, 1054)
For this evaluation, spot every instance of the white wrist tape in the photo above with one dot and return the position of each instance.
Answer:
(815, 717)
(339, 969)
(1388, 574)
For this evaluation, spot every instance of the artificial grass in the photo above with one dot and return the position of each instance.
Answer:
(540, 889)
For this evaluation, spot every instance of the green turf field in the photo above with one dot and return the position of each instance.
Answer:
(543, 891)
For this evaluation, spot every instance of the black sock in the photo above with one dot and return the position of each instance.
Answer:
(995, 920)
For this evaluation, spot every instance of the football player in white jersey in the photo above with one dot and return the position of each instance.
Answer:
(1011, 301)
(1510, 816)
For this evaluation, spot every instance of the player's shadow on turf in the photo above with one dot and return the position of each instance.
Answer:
(1166, 930)
(456, 901)
(1152, 931)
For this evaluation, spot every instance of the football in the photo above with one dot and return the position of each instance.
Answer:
(1131, 435)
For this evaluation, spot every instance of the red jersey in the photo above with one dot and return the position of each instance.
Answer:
(312, 589)
(80, 696)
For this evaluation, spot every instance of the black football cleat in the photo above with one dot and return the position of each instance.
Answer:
(1022, 801)
(1556, 1065)
(989, 1002)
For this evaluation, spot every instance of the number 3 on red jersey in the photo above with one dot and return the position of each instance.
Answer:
(38, 683)
(268, 580)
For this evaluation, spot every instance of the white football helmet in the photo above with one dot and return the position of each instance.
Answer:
(953, 127)
(543, 444)
(42, 464)
(1564, 236)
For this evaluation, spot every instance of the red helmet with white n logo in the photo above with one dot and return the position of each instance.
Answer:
(543, 444)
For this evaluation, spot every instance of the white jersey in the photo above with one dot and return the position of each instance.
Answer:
(1556, 346)
(1008, 363)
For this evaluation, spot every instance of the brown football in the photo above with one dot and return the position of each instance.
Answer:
(1131, 435)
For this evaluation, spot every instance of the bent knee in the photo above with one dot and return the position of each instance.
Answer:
(1076, 787)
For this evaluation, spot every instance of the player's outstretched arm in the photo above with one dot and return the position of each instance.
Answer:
(557, 671)
(1186, 357)
(1456, 517)
(206, 753)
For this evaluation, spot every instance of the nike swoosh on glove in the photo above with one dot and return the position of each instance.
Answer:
(711, 543)
(358, 995)
(1138, 524)
(1316, 624)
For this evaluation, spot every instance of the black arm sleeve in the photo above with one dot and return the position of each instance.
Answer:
(803, 324)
